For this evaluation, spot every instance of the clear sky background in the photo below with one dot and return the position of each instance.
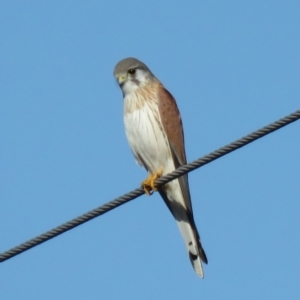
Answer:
(233, 67)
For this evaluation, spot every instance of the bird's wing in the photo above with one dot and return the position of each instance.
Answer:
(172, 124)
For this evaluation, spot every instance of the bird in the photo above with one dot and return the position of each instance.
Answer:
(155, 135)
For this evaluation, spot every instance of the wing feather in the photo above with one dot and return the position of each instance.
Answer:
(172, 123)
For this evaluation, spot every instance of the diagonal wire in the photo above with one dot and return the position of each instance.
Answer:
(139, 191)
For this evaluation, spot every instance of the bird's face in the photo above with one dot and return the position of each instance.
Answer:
(131, 80)
(132, 74)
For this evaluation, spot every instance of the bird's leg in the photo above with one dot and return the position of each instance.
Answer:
(149, 183)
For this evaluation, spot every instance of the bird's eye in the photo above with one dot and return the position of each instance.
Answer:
(131, 71)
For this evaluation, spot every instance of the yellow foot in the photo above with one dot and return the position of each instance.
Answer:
(149, 183)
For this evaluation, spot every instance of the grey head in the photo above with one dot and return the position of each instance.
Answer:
(132, 74)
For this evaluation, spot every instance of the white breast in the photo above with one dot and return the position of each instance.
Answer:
(145, 134)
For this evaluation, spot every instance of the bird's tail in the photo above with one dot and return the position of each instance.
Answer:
(192, 241)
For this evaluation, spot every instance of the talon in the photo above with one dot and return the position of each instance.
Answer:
(149, 183)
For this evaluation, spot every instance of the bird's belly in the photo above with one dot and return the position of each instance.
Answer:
(147, 139)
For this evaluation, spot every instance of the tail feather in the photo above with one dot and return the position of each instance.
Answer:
(193, 245)
(180, 206)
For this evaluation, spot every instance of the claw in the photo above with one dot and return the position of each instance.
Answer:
(149, 183)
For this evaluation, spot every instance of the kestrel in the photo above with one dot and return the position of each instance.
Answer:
(154, 131)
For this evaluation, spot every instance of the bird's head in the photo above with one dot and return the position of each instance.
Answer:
(132, 74)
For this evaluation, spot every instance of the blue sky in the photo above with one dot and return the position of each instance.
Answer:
(233, 67)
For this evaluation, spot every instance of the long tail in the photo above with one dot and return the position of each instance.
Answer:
(187, 226)
(196, 252)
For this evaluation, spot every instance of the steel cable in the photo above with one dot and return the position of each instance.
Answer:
(139, 191)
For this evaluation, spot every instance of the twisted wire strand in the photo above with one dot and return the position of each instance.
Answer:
(139, 191)
(255, 135)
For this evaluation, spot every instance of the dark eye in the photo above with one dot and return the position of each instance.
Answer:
(131, 71)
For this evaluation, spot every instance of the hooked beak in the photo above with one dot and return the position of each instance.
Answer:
(121, 79)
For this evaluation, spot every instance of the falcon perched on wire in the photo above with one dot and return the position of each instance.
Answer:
(155, 135)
